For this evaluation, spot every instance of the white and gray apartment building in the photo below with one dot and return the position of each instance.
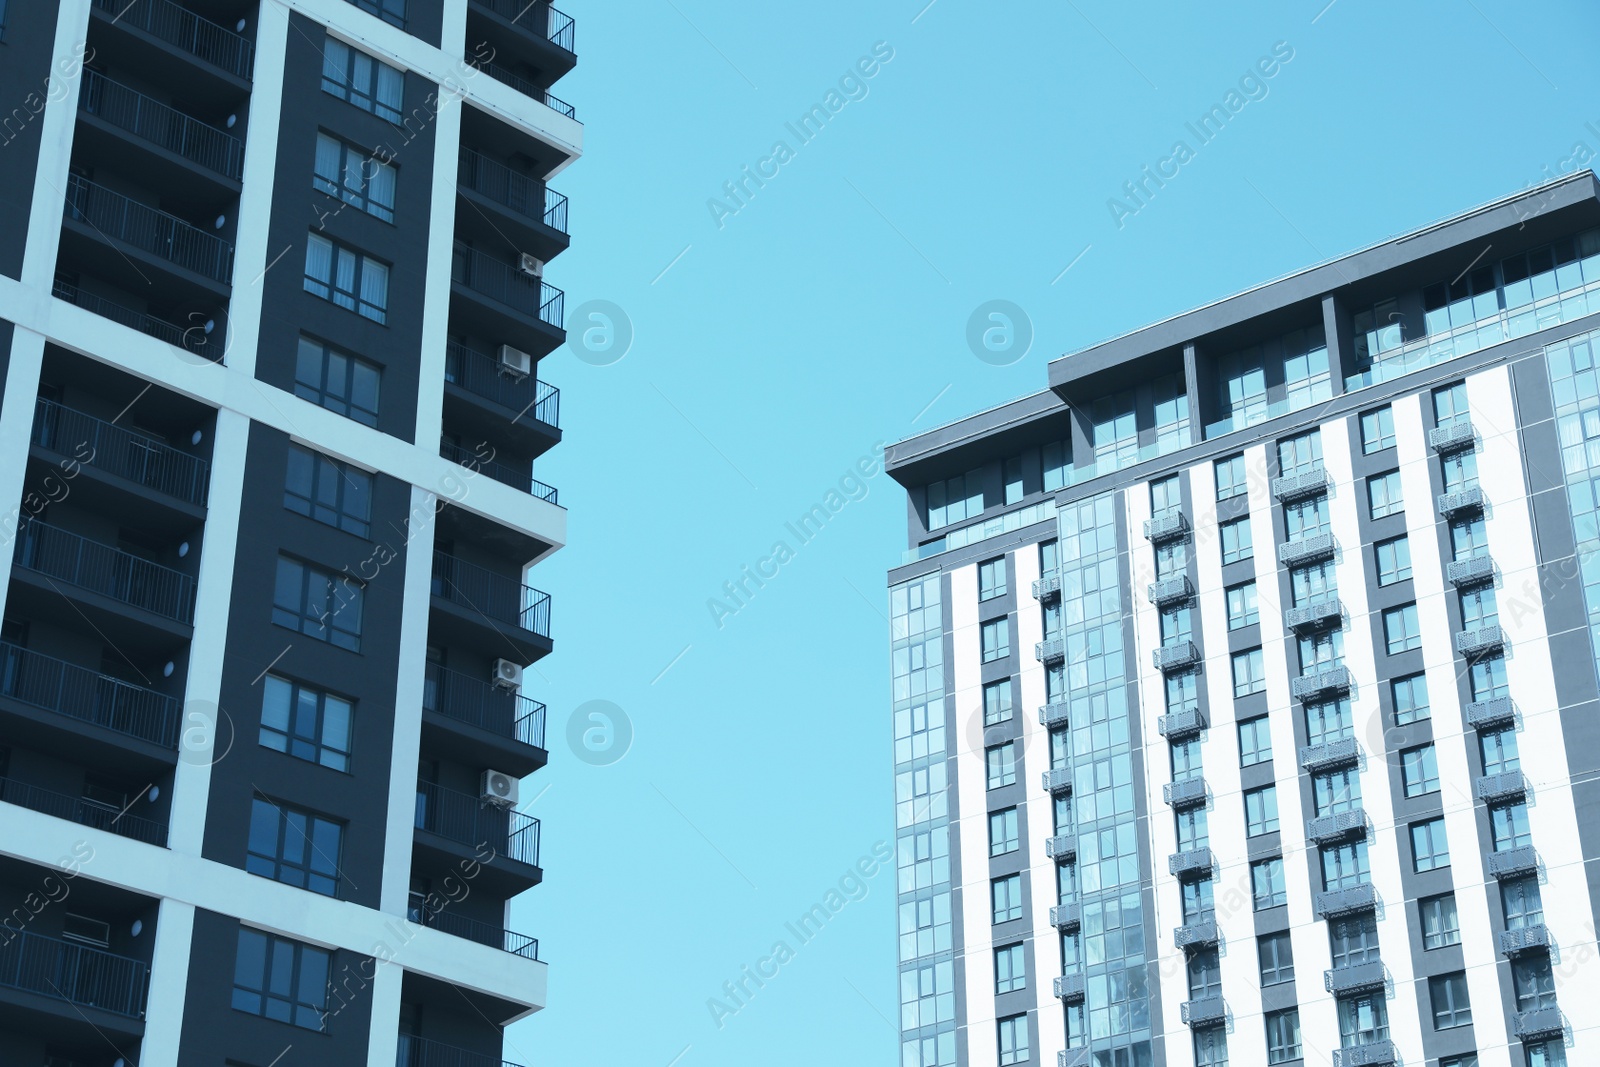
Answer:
(272, 305)
(1244, 680)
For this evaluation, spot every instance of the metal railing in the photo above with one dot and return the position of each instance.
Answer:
(1050, 650)
(500, 472)
(468, 929)
(82, 811)
(502, 712)
(79, 974)
(495, 595)
(120, 451)
(420, 1052)
(558, 27)
(194, 339)
(1175, 656)
(510, 286)
(183, 29)
(526, 196)
(167, 127)
(480, 373)
(55, 685)
(148, 229)
(469, 821)
(528, 88)
(98, 568)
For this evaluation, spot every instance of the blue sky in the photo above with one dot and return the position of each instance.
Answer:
(829, 313)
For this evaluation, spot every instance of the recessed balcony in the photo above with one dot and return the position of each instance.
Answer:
(1175, 656)
(1198, 934)
(193, 145)
(528, 87)
(1047, 588)
(1337, 902)
(1537, 1023)
(1321, 682)
(420, 1052)
(499, 299)
(181, 31)
(1190, 864)
(1336, 827)
(480, 723)
(131, 457)
(1496, 788)
(1480, 640)
(1069, 988)
(87, 696)
(1313, 616)
(147, 235)
(511, 204)
(504, 473)
(1532, 938)
(86, 977)
(1367, 1054)
(84, 566)
(1051, 651)
(1342, 753)
(461, 826)
(1513, 862)
(1204, 1012)
(1170, 591)
(1301, 484)
(193, 337)
(1057, 780)
(1167, 526)
(1452, 438)
(1490, 714)
(1178, 725)
(1460, 501)
(83, 811)
(449, 922)
(479, 603)
(522, 399)
(1065, 916)
(1307, 549)
(1055, 714)
(1473, 570)
(1354, 978)
(1185, 793)
(1061, 848)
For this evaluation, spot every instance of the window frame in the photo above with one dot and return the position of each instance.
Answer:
(280, 865)
(349, 402)
(353, 158)
(361, 266)
(323, 750)
(313, 505)
(370, 97)
(297, 1010)
(301, 617)
(1438, 841)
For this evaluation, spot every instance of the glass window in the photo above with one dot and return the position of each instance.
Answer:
(1255, 741)
(996, 636)
(1261, 810)
(1410, 698)
(1007, 894)
(1306, 518)
(1450, 404)
(355, 177)
(997, 702)
(1183, 691)
(1166, 495)
(1049, 559)
(1014, 1039)
(314, 602)
(1479, 608)
(1283, 1034)
(1236, 540)
(294, 847)
(954, 499)
(306, 722)
(1231, 478)
(1249, 673)
(1198, 903)
(1211, 1048)
(1440, 927)
(1429, 848)
(1205, 973)
(1394, 560)
(1172, 559)
(1383, 494)
(1013, 479)
(1276, 957)
(1509, 827)
(1353, 939)
(1268, 889)
(1344, 866)
(1056, 457)
(329, 491)
(1533, 982)
(1488, 677)
(992, 579)
(1002, 832)
(391, 11)
(1301, 454)
(351, 279)
(1377, 430)
(1401, 630)
(1521, 902)
(1419, 769)
(1467, 537)
(1471, 1060)
(1192, 829)
(1242, 607)
(1321, 650)
(353, 76)
(1186, 762)
(280, 979)
(1363, 1020)
(337, 380)
(1329, 721)
(1010, 969)
(1002, 764)
(1448, 992)
(1177, 625)
(1335, 792)
(1313, 582)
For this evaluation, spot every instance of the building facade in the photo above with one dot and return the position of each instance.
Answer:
(266, 696)
(1215, 662)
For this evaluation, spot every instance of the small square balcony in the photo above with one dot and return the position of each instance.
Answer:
(1537, 1023)
(1181, 724)
(1319, 683)
(1054, 714)
(1052, 651)
(1065, 916)
(1185, 793)
(1532, 938)
(1047, 588)
(1513, 862)
(1073, 1057)
(1480, 640)
(1460, 501)
(1191, 864)
(1354, 978)
(1496, 788)
(1452, 438)
(1204, 1012)
(1070, 987)
(1336, 827)
(1308, 549)
(1167, 526)
(1300, 485)
(1314, 616)
(1196, 934)
(1337, 902)
(1367, 1054)
(1342, 753)
(1474, 570)
(1177, 656)
(1057, 780)
(1170, 591)
(1490, 714)
(1061, 848)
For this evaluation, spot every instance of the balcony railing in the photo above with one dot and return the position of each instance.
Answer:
(469, 821)
(495, 595)
(1529, 938)
(1495, 788)
(526, 196)
(528, 88)
(1489, 714)
(1195, 934)
(1047, 588)
(1065, 916)
(1314, 683)
(1307, 548)
(503, 473)
(193, 338)
(1513, 862)
(1166, 526)
(1070, 987)
(1057, 780)
(120, 451)
(1178, 725)
(65, 688)
(1073, 1057)
(183, 29)
(82, 811)
(1175, 656)
(1470, 571)
(151, 120)
(1336, 902)
(1469, 499)
(508, 285)
(97, 568)
(1301, 484)
(1191, 862)
(1340, 824)
(1324, 612)
(447, 921)
(1379, 1053)
(485, 375)
(1061, 847)
(1330, 754)
(88, 977)
(502, 712)
(1204, 1011)
(1053, 650)
(148, 229)
(556, 26)
(1538, 1022)
(1055, 714)
(420, 1052)
(1354, 977)
(1457, 435)
(1480, 639)
(1170, 591)
(1185, 792)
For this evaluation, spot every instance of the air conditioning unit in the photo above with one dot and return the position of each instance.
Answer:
(514, 362)
(499, 788)
(531, 265)
(506, 674)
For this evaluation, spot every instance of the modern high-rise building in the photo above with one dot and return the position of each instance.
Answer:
(1245, 693)
(271, 314)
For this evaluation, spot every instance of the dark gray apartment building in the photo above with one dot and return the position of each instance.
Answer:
(272, 305)
(1245, 695)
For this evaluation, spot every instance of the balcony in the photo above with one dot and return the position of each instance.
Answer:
(1191, 863)
(1320, 682)
(1176, 656)
(147, 232)
(1342, 753)
(1069, 988)
(166, 128)
(1339, 825)
(529, 399)
(88, 977)
(1354, 978)
(447, 921)
(529, 88)
(1061, 848)
(1057, 780)
(1170, 591)
(1179, 725)
(1196, 934)
(194, 339)
(1459, 501)
(1537, 1023)
(1053, 650)
(503, 301)
(483, 723)
(1204, 1012)
(1065, 916)
(1367, 1054)
(552, 26)
(1185, 793)
(185, 31)
(468, 821)
(83, 812)
(1053, 714)
(54, 685)
(1047, 588)
(1495, 788)
(1167, 526)
(61, 556)
(1490, 714)
(1514, 862)
(507, 202)
(1470, 571)
(1315, 615)
(504, 473)
(420, 1052)
(1300, 485)
(1452, 438)
(1307, 549)
(1526, 939)
(1480, 639)
(1337, 902)
(495, 597)
(121, 452)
